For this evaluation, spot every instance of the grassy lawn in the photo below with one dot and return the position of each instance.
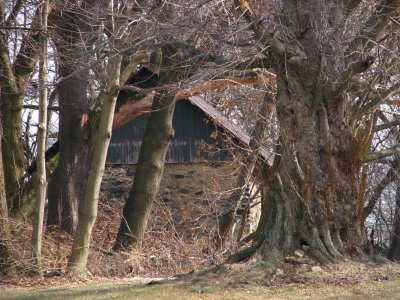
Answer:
(175, 291)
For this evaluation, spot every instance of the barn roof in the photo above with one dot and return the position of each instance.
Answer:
(223, 122)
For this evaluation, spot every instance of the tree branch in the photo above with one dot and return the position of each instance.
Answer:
(389, 178)
(386, 126)
(29, 106)
(382, 154)
(13, 15)
(7, 78)
(291, 52)
(254, 63)
(377, 100)
(127, 70)
(354, 68)
(21, 28)
(28, 54)
(131, 110)
(361, 98)
(2, 11)
(376, 23)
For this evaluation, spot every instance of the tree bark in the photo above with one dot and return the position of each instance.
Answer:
(6, 256)
(150, 168)
(11, 108)
(310, 195)
(68, 183)
(311, 191)
(394, 250)
(37, 233)
(13, 79)
(101, 137)
(159, 132)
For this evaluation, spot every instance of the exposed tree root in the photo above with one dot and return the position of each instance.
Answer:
(241, 255)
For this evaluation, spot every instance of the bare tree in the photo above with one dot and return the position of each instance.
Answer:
(75, 30)
(321, 59)
(15, 70)
(150, 167)
(101, 139)
(37, 234)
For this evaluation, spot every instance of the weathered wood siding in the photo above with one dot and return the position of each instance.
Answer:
(193, 130)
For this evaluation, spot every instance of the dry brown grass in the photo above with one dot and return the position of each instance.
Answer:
(262, 274)
(175, 243)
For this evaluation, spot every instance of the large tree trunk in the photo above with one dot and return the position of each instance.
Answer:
(13, 152)
(67, 185)
(68, 182)
(310, 191)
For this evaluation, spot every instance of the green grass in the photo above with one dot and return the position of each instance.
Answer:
(176, 291)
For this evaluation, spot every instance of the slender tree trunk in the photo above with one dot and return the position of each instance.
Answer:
(159, 132)
(150, 168)
(394, 251)
(41, 149)
(80, 249)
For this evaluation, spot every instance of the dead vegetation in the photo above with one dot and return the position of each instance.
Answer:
(176, 242)
(179, 241)
(168, 251)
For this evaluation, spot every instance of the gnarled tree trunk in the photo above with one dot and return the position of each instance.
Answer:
(310, 193)
(316, 51)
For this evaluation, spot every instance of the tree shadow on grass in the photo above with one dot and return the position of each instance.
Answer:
(117, 291)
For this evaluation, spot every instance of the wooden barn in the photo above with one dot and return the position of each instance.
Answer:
(200, 136)
(199, 175)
